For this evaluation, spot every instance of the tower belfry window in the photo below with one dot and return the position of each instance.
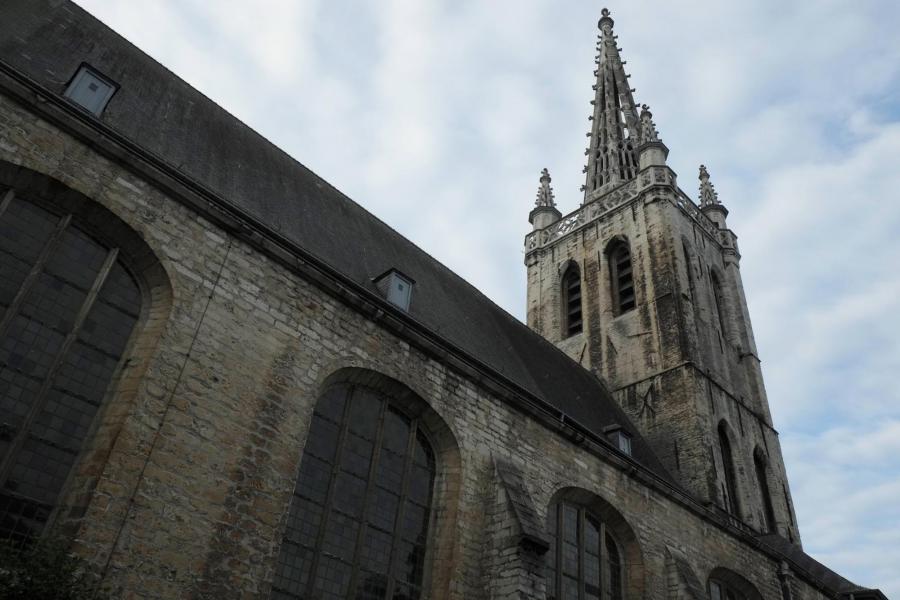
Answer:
(571, 292)
(717, 299)
(731, 495)
(621, 277)
(759, 461)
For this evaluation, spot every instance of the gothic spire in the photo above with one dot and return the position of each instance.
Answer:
(612, 156)
(708, 195)
(545, 192)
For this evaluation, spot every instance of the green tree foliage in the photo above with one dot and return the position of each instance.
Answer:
(44, 570)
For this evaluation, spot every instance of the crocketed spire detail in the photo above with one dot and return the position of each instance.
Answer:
(545, 192)
(648, 128)
(708, 195)
(612, 156)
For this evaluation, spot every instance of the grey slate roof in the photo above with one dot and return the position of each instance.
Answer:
(48, 40)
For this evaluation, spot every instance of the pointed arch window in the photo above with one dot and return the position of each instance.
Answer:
(584, 561)
(358, 522)
(571, 295)
(68, 306)
(761, 465)
(621, 277)
(730, 491)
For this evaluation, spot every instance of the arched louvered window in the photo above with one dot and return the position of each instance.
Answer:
(730, 492)
(584, 561)
(358, 522)
(621, 277)
(67, 309)
(571, 294)
(761, 465)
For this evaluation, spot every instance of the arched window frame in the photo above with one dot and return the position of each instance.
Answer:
(724, 584)
(630, 567)
(761, 467)
(621, 276)
(731, 497)
(572, 303)
(138, 261)
(610, 568)
(446, 488)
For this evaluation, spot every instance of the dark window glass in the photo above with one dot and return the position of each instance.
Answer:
(719, 590)
(621, 278)
(358, 522)
(67, 309)
(583, 562)
(571, 292)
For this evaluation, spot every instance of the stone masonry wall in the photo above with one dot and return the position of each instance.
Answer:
(186, 487)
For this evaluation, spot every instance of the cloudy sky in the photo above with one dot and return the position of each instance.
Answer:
(438, 116)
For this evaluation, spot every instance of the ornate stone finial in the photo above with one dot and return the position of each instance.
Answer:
(545, 192)
(648, 128)
(708, 195)
(605, 19)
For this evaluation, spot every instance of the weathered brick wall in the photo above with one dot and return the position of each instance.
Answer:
(186, 487)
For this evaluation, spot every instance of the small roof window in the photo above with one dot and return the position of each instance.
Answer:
(396, 288)
(620, 438)
(90, 90)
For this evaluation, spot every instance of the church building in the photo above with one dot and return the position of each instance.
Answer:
(220, 377)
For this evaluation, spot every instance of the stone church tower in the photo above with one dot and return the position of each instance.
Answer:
(642, 286)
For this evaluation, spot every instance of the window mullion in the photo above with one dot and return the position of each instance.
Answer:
(579, 534)
(367, 499)
(329, 498)
(7, 200)
(41, 396)
(604, 559)
(404, 493)
(559, 549)
(13, 309)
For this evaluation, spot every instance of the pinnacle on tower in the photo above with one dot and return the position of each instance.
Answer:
(708, 195)
(648, 127)
(544, 212)
(612, 154)
(545, 192)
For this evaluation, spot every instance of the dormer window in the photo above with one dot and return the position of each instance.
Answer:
(396, 288)
(620, 438)
(90, 90)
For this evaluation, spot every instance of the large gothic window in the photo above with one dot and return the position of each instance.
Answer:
(358, 521)
(621, 277)
(67, 309)
(730, 492)
(571, 293)
(584, 561)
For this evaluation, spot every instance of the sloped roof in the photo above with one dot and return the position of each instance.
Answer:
(48, 40)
